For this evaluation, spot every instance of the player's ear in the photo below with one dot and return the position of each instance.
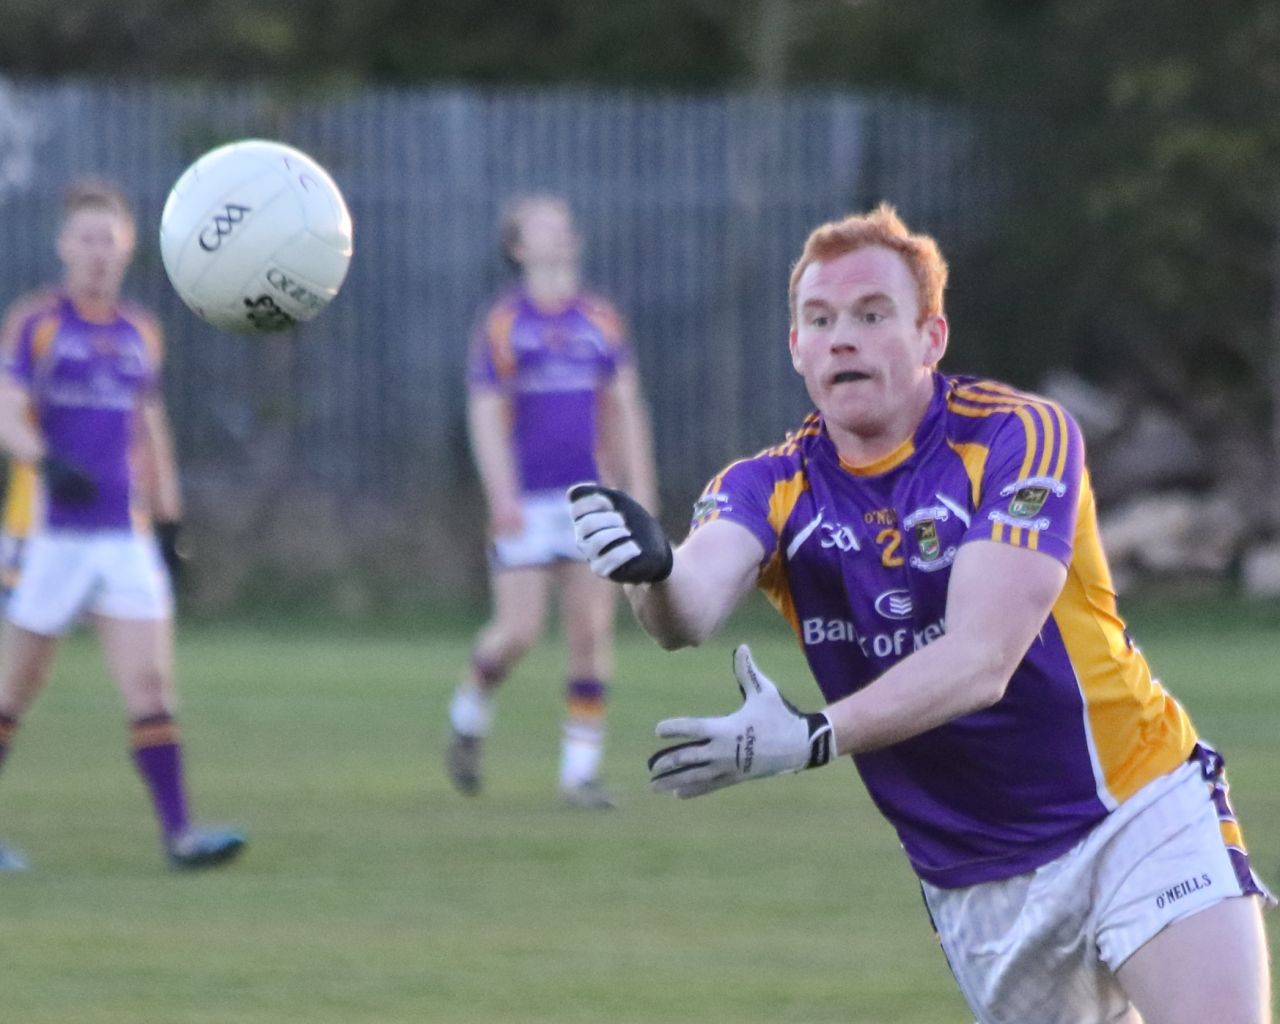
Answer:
(791, 344)
(937, 332)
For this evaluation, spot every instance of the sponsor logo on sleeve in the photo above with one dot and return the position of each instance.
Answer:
(709, 504)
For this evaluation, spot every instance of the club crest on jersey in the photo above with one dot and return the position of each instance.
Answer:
(710, 504)
(1027, 497)
(930, 555)
(927, 540)
(1027, 501)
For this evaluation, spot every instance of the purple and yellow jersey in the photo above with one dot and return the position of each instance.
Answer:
(87, 381)
(552, 367)
(858, 561)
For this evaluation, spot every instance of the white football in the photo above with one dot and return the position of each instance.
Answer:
(255, 236)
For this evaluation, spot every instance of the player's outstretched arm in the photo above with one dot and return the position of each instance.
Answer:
(766, 736)
(680, 597)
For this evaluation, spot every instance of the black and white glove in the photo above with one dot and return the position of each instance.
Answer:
(621, 541)
(67, 484)
(766, 736)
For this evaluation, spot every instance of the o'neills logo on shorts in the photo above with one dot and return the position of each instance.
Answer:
(1172, 895)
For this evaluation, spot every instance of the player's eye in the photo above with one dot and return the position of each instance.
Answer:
(872, 316)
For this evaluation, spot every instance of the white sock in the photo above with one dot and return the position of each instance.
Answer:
(471, 711)
(580, 753)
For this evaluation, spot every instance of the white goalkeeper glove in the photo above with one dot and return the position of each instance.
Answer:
(766, 736)
(620, 540)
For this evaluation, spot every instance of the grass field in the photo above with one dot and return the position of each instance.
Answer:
(372, 893)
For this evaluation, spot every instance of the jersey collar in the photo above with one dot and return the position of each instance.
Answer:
(925, 432)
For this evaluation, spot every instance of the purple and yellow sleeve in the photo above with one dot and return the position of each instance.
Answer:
(1029, 490)
(152, 336)
(492, 361)
(34, 339)
(742, 493)
(605, 318)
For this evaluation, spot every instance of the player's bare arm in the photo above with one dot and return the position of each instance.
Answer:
(18, 435)
(488, 418)
(681, 597)
(998, 599)
(157, 451)
(712, 571)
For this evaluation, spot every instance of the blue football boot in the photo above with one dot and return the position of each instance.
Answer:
(198, 848)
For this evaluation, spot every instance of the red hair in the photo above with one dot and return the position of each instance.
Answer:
(882, 226)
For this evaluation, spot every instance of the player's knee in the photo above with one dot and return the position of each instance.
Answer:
(519, 642)
(150, 685)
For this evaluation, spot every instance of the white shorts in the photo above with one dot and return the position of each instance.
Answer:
(1044, 946)
(119, 575)
(547, 536)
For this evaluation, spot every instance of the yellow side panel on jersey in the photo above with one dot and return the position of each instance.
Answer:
(1137, 730)
(20, 499)
(43, 334)
(773, 577)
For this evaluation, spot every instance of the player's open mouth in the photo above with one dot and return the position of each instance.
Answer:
(849, 376)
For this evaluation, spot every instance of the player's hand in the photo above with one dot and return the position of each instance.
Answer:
(620, 540)
(766, 736)
(67, 484)
(174, 555)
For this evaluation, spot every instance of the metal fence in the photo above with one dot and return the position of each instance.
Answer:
(692, 206)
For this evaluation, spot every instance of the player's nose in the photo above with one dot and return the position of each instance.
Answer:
(844, 336)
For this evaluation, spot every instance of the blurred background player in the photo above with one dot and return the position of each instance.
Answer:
(554, 397)
(83, 419)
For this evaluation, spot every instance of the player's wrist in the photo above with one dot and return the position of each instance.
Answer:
(822, 740)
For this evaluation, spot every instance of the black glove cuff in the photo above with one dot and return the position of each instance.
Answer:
(821, 739)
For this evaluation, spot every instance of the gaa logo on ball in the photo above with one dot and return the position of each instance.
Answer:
(255, 237)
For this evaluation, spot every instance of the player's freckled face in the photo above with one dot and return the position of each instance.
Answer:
(865, 357)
